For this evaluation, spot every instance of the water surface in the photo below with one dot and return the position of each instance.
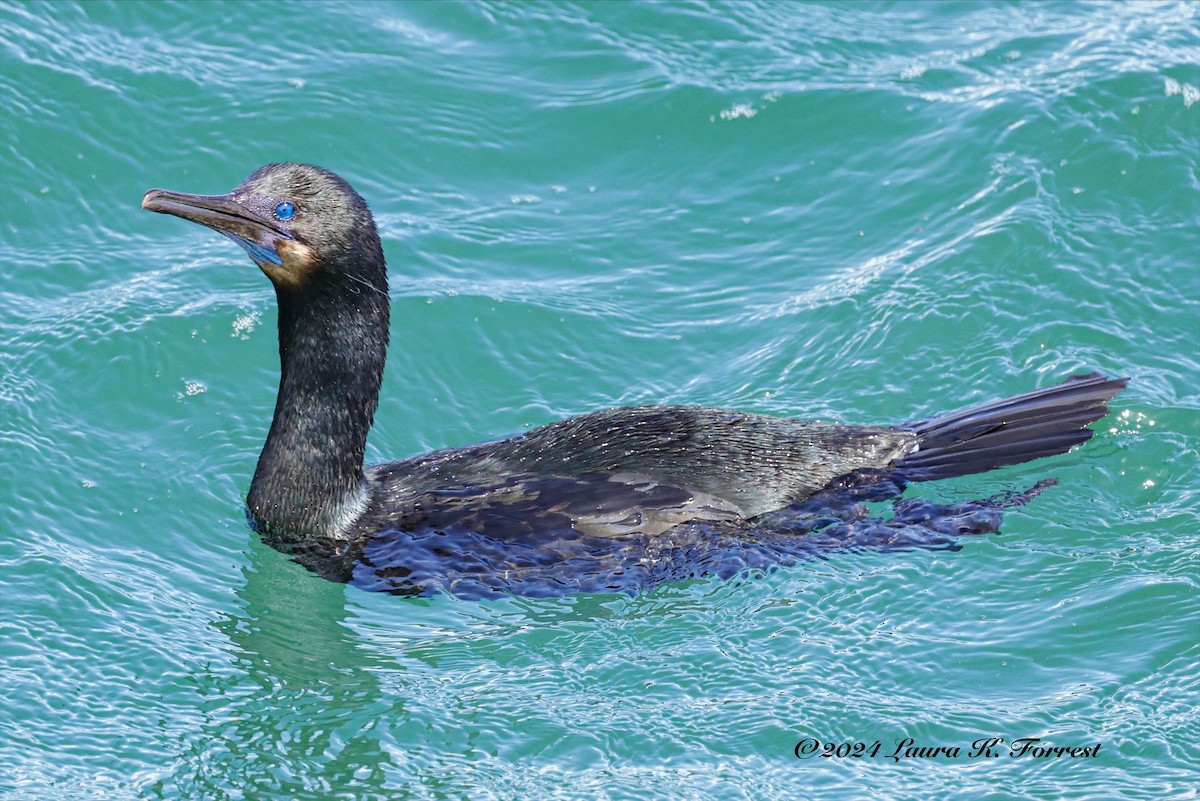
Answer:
(855, 212)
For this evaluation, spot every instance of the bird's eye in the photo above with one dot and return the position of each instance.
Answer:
(285, 211)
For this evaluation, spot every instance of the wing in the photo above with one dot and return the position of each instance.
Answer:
(732, 460)
(532, 508)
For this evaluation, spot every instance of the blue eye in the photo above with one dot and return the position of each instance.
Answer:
(285, 211)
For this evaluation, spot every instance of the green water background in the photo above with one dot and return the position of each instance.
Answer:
(857, 212)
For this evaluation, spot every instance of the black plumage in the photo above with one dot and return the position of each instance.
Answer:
(576, 502)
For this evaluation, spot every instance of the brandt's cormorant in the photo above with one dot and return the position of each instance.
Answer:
(617, 499)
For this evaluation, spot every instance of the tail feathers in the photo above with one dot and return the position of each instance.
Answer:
(1039, 423)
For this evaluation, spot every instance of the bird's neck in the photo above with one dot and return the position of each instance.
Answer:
(332, 345)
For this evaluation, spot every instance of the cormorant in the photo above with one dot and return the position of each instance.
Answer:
(577, 504)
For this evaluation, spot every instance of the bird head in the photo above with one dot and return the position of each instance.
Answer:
(294, 220)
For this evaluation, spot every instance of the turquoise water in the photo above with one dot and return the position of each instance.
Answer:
(857, 212)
